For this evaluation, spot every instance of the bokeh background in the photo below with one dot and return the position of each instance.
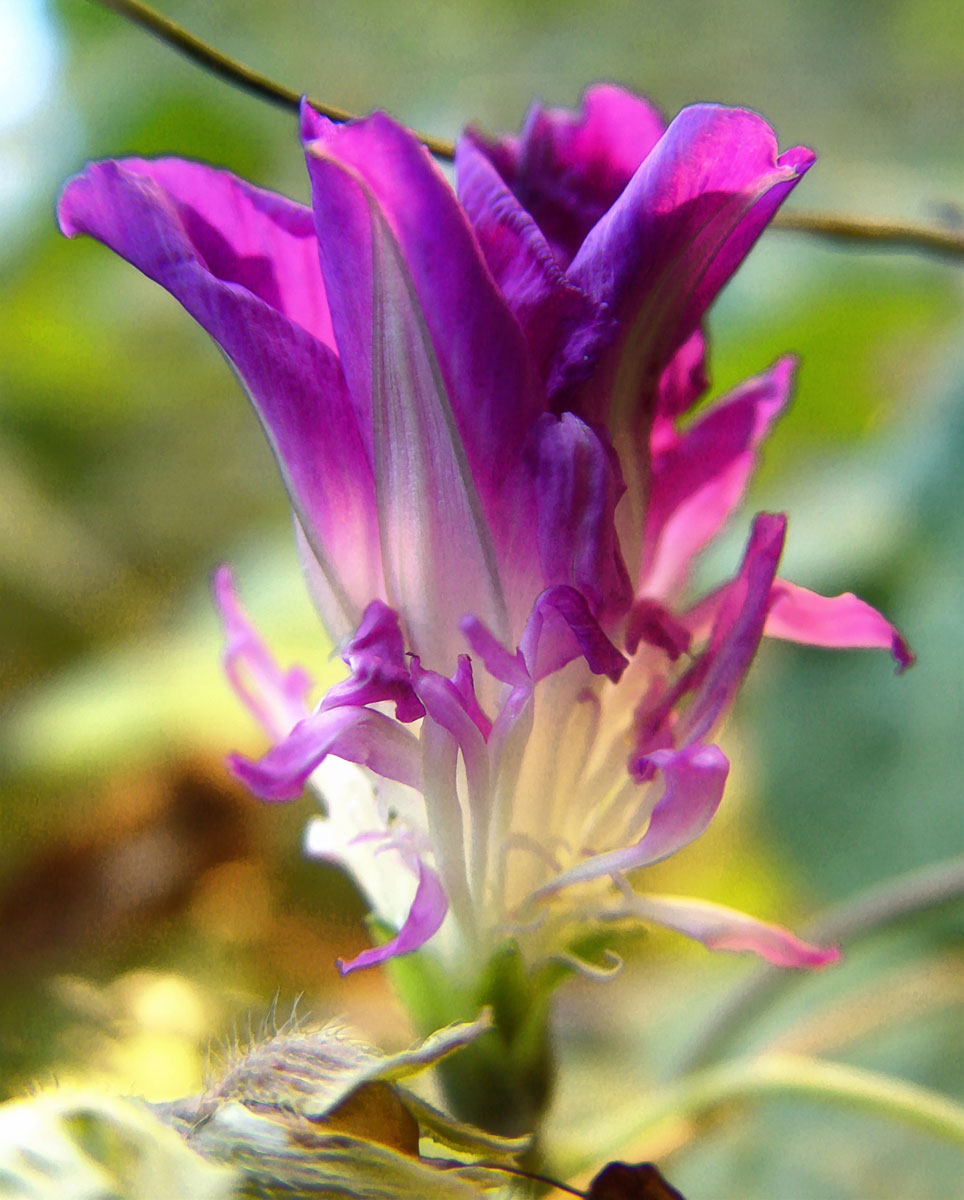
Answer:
(148, 908)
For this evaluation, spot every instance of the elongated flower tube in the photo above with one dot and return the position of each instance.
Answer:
(481, 403)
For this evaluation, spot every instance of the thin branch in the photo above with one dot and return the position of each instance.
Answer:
(874, 230)
(237, 73)
(870, 231)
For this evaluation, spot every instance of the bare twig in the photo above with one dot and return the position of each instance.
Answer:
(870, 231)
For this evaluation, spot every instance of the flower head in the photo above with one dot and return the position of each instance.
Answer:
(481, 403)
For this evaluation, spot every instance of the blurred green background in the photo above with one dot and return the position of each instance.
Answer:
(146, 904)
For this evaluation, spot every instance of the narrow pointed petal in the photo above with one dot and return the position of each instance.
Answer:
(276, 698)
(722, 928)
(449, 707)
(379, 668)
(562, 628)
(737, 632)
(376, 192)
(241, 262)
(424, 919)
(735, 617)
(359, 735)
(578, 484)
(698, 481)
(695, 778)
(677, 233)
(838, 622)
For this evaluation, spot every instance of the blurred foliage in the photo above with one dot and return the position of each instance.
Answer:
(145, 903)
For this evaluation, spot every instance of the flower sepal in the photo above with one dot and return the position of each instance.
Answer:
(503, 1081)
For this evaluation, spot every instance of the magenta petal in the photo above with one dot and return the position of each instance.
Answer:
(375, 186)
(578, 484)
(676, 234)
(359, 735)
(738, 613)
(567, 168)
(500, 664)
(276, 698)
(260, 241)
(379, 668)
(737, 632)
(561, 628)
(650, 622)
(838, 622)
(251, 282)
(700, 477)
(721, 928)
(695, 778)
(428, 499)
(424, 919)
(544, 302)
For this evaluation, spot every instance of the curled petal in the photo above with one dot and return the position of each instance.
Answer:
(424, 919)
(722, 928)
(544, 302)
(379, 669)
(276, 698)
(568, 168)
(695, 778)
(838, 622)
(676, 234)
(654, 624)
(561, 628)
(359, 735)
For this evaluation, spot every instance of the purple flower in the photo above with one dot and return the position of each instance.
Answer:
(481, 405)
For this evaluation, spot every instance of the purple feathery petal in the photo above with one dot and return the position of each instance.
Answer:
(360, 735)
(578, 484)
(276, 698)
(697, 481)
(424, 919)
(547, 306)
(838, 622)
(673, 238)
(567, 168)
(379, 668)
(393, 235)
(560, 628)
(254, 309)
(722, 928)
(695, 778)
(739, 613)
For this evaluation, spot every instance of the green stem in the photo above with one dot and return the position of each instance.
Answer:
(791, 1075)
(874, 231)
